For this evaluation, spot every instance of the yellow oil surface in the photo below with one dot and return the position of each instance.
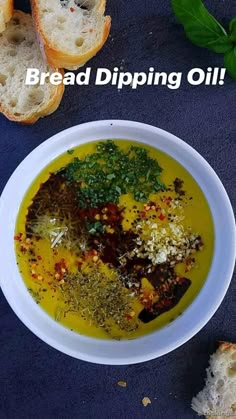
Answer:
(197, 216)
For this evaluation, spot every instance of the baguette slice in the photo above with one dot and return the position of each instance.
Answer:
(70, 31)
(18, 51)
(6, 12)
(218, 398)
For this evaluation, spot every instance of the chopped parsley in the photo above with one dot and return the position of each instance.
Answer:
(95, 228)
(111, 172)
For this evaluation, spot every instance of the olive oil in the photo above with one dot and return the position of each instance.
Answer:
(37, 270)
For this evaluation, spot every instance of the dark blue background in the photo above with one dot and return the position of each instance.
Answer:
(36, 380)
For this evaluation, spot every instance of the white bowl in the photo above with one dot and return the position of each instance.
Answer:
(163, 340)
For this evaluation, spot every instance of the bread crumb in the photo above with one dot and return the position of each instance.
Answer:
(122, 383)
(146, 401)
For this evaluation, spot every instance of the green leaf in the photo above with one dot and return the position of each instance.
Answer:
(232, 29)
(230, 62)
(200, 26)
(111, 176)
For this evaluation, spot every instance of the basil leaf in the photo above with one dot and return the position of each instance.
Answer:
(230, 62)
(232, 30)
(200, 26)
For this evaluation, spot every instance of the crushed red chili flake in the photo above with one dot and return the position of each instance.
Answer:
(72, 9)
(18, 237)
(161, 217)
(90, 253)
(60, 269)
(39, 257)
(60, 265)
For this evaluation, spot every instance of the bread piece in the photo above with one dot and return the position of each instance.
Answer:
(6, 12)
(218, 398)
(19, 51)
(70, 31)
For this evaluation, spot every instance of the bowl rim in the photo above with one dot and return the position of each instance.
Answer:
(47, 328)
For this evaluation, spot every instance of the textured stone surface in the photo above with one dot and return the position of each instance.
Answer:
(36, 380)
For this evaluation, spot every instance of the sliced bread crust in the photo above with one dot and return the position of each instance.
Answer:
(19, 50)
(218, 398)
(6, 12)
(70, 32)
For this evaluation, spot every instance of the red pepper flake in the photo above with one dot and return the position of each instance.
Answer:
(128, 317)
(34, 276)
(39, 257)
(180, 280)
(143, 214)
(60, 265)
(18, 237)
(72, 9)
(167, 303)
(161, 217)
(90, 253)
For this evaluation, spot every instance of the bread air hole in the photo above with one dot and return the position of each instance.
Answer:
(85, 4)
(61, 19)
(79, 42)
(13, 103)
(220, 383)
(29, 44)
(11, 70)
(15, 37)
(12, 53)
(3, 79)
(35, 97)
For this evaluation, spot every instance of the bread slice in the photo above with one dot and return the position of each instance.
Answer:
(18, 51)
(6, 12)
(218, 398)
(70, 31)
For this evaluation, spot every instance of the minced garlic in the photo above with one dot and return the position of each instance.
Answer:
(172, 243)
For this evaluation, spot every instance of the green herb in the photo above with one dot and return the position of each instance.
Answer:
(232, 29)
(70, 151)
(100, 300)
(36, 295)
(205, 31)
(111, 172)
(230, 62)
(95, 228)
(59, 313)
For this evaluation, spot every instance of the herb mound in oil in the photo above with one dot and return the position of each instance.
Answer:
(111, 172)
(109, 262)
(100, 300)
